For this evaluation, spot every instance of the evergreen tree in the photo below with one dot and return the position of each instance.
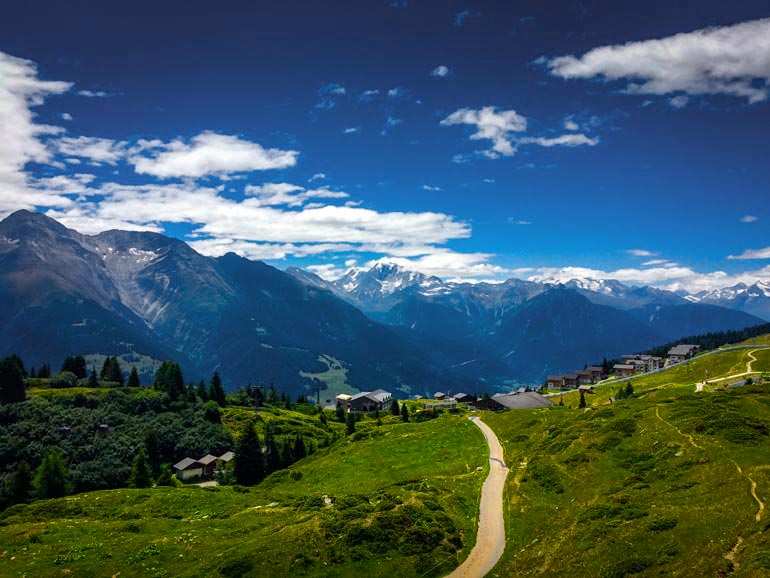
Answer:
(272, 453)
(605, 366)
(582, 403)
(169, 379)
(133, 378)
(202, 391)
(322, 417)
(76, 365)
(629, 390)
(141, 475)
(32, 373)
(404, 413)
(12, 388)
(190, 395)
(152, 450)
(561, 401)
(287, 453)
(394, 408)
(44, 372)
(272, 397)
(216, 392)
(485, 396)
(92, 380)
(22, 482)
(16, 360)
(52, 479)
(350, 424)
(165, 478)
(340, 413)
(249, 464)
(300, 451)
(111, 371)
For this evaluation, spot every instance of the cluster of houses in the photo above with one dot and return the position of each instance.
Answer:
(368, 401)
(205, 467)
(632, 364)
(629, 366)
(580, 379)
(376, 400)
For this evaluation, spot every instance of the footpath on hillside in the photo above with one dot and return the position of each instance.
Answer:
(490, 538)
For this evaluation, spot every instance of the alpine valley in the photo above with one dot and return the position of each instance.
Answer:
(146, 296)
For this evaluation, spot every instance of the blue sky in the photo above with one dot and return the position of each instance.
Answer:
(462, 139)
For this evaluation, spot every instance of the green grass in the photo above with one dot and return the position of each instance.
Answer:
(335, 378)
(623, 490)
(393, 500)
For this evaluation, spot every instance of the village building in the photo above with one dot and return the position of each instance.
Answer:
(370, 400)
(683, 352)
(597, 373)
(503, 401)
(622, 370)
(584, 376)
(224, 459)
(571, 381)
(209, 464)
(586, 388)
(439, 395)
(643, 363)
(465, 397)
(554, 381)
(188, 469)
(344, 400)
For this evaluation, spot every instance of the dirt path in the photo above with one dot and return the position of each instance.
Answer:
(490, 538)
(752, 359)
(760, 503)
(684, 435)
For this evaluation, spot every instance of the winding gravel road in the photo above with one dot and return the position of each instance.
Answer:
(490, 539)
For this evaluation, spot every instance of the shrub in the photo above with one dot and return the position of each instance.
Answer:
(661, 524)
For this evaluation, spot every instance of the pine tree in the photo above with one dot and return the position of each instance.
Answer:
(44, 372)
(141, 475)
(300, 451)
(169, 379)
(629, 390)
(16, 360)
(92, 380)
(202, 391)
(152, 450)
(111, 371)
(52, 479)
(582, 403)
(22, 482)
(339, 412)
(133, 378)
(272, 453)
(216, 392)
(394, 408)
(12, 388)
(404, 413)
(76, 365)
(272, 397)
(249, 464)
(350, 424)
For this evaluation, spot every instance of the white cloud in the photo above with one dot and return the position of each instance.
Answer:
(570, 124)
(317, 177)
(641, 253)
(752, 254)
(490, 125)
(447, 264)
(97, 150)
(732, 60)
(369, 95)
(210, 153)
(661, 262)
(66, 116)
(441, 71)
(352, 130)
(290, 195)
(749, 219)
(20, 91)
(398, 92)
(332, 89)
(499, 127)
(565, 140)
(515, 221)
(430, 188)
(390, 122)
(94, 93)
(679, 101)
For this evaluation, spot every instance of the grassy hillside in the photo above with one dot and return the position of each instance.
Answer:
(391, 500)
(674, 483)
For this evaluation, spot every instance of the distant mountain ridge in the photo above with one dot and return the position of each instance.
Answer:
(120, 292)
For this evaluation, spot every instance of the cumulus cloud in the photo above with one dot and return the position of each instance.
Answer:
(752, 254)
(317, 177)
(369, 95)
(94, 93)
(208, 154)
(332, 89)
(447, 264)
(679, 101)
(500, 126)
(97, 150)
(441, 71)
(490, 124)
(398, 92)
(352, 130)
(749, 219)
(430, 188)
(20, 91)
(289, 195)
(731, 60)
(570, 124)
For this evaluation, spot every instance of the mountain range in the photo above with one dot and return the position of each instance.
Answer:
(129, 293)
